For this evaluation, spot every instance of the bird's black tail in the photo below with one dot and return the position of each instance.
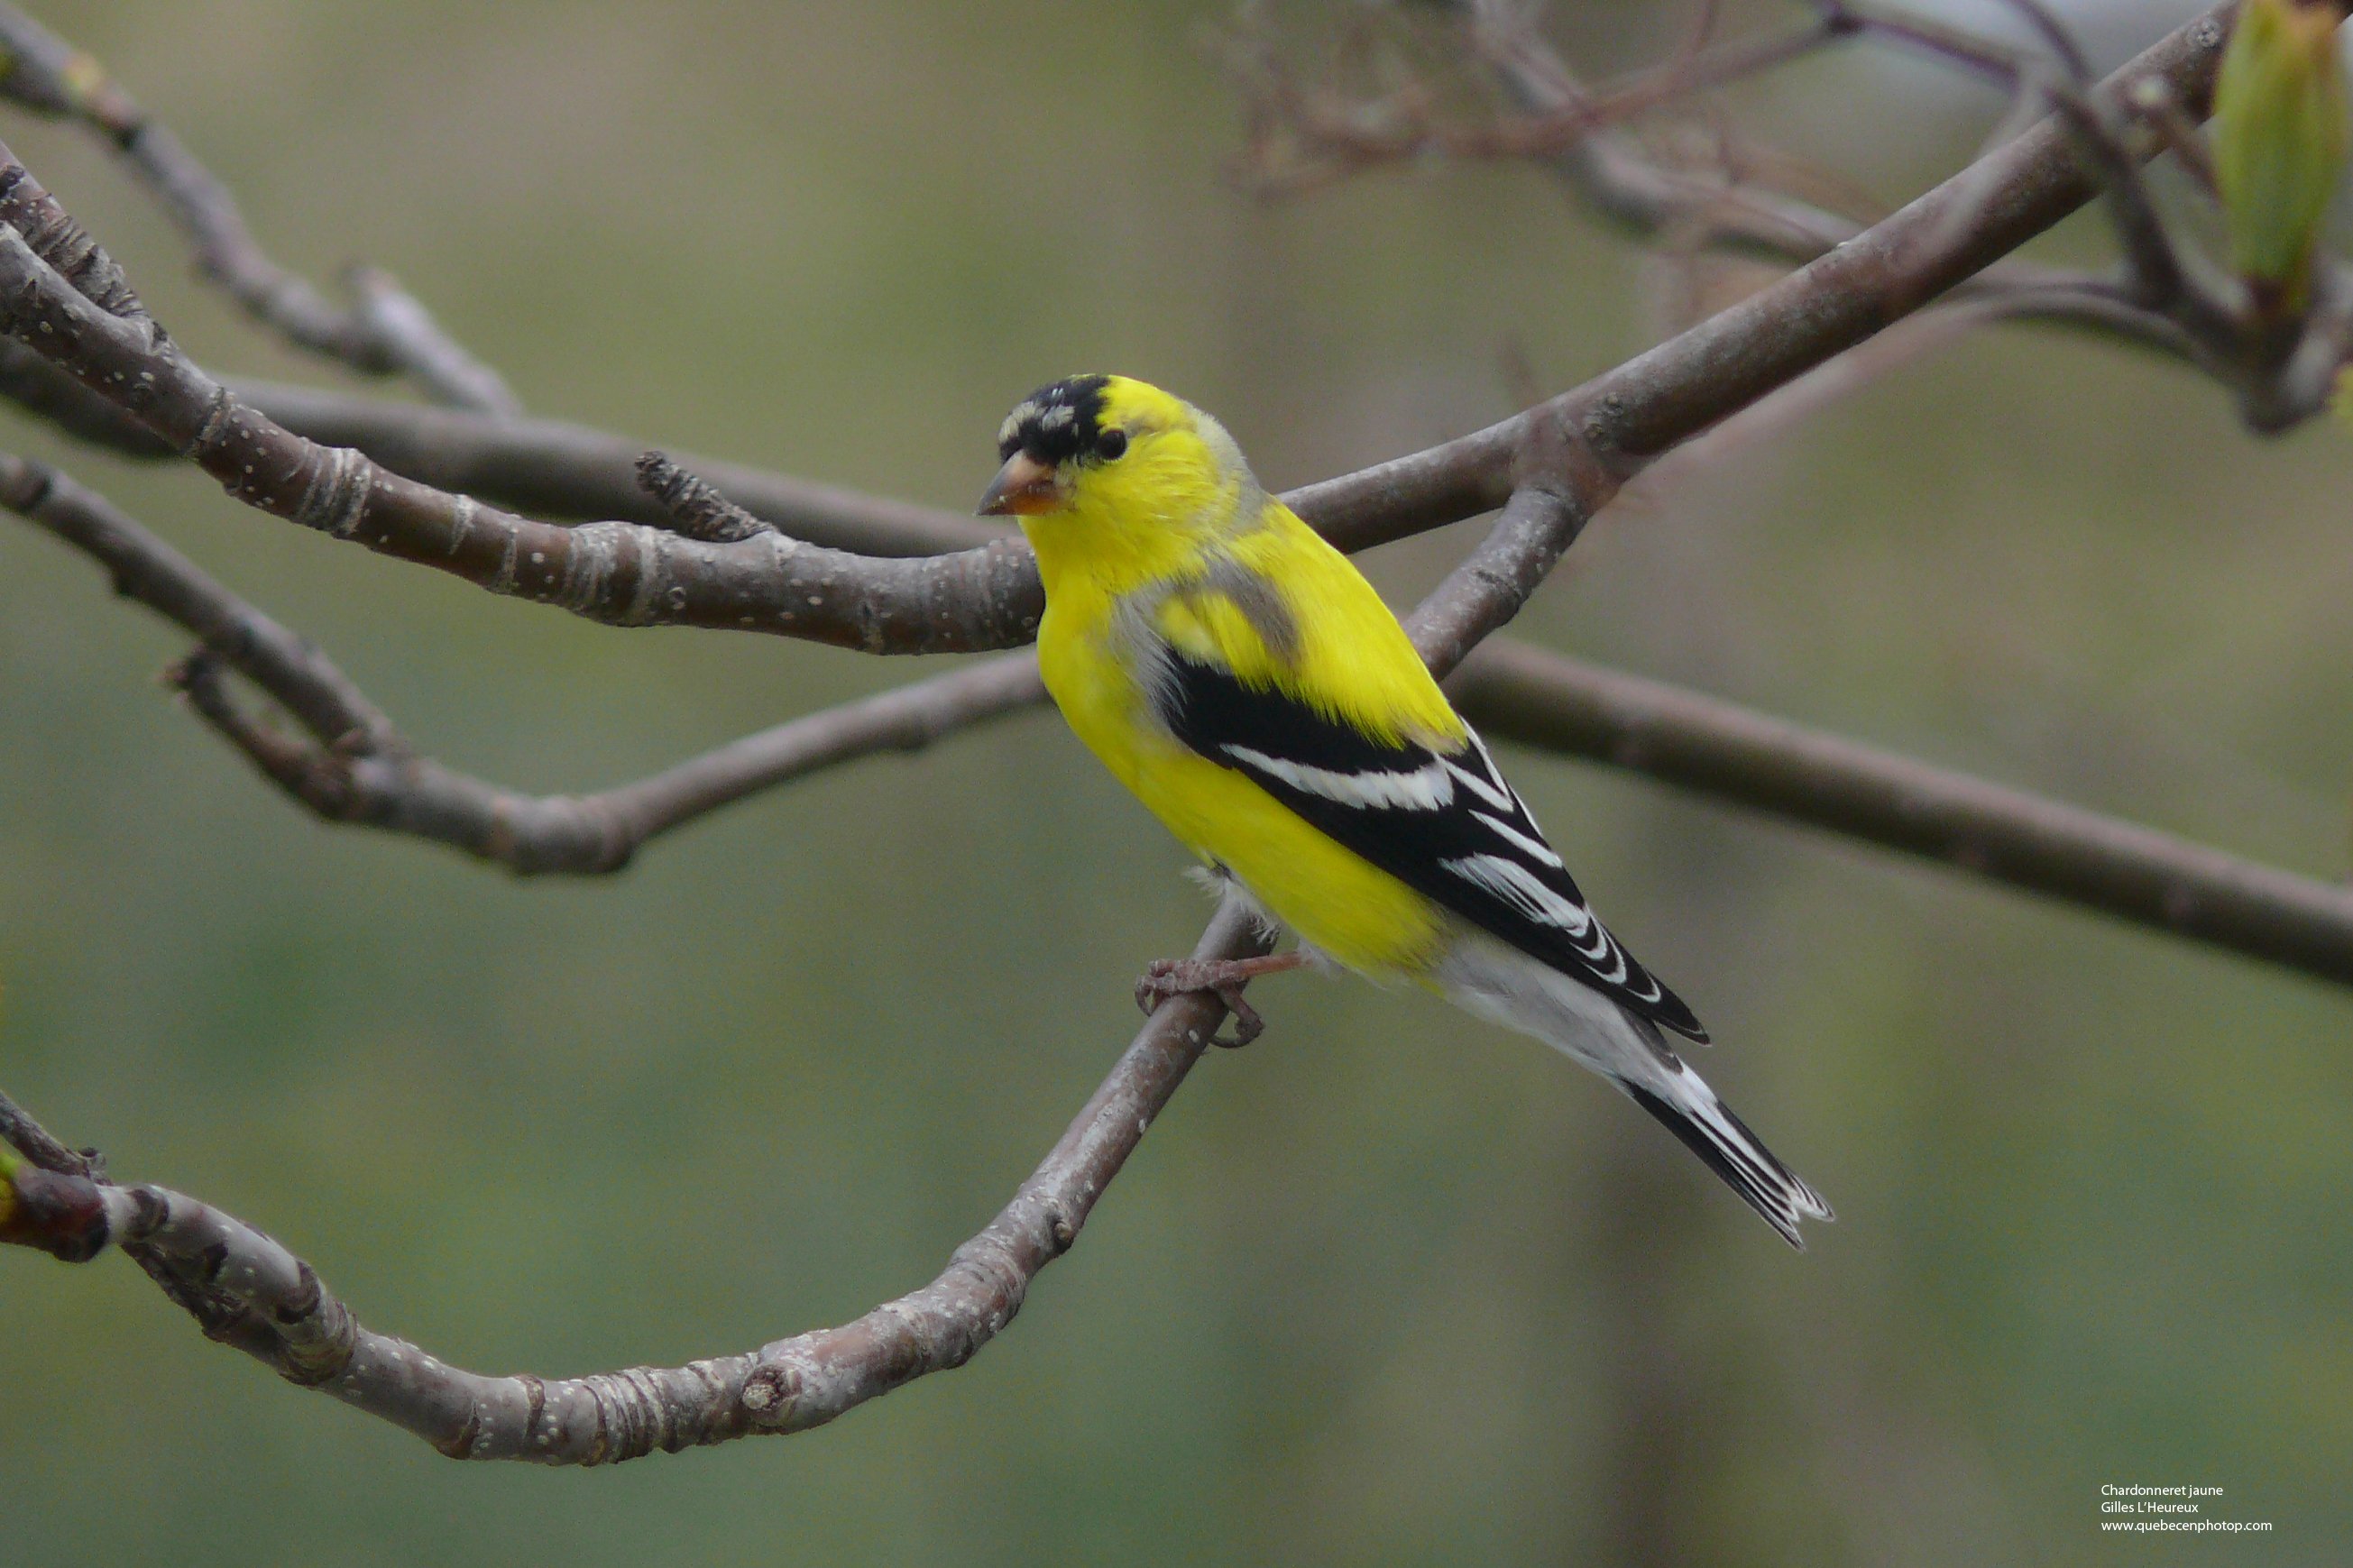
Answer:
(1687, 1108)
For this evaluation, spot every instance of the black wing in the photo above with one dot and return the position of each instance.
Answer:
(1446, 826)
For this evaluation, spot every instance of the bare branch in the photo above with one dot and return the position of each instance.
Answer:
(397, 791)
(1719, 749)
(144, 568)
(385, 332)
(552, 467)
(1697, 207)
(1633, 414)
(354, 766)
(627, 574)
(1304, 136)
(617, 573)
(248, 1291)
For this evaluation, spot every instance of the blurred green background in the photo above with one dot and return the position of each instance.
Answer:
(1389, 1287)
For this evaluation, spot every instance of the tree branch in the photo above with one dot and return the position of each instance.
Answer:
(617, 573)
(1633, 414)
(352, 765)
(551, 467)
(385, 330)
(1572, 129)
(1515, 692)
(248, 1292)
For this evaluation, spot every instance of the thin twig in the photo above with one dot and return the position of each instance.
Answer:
(1302, 136)
(694, 506)
(1617, 178)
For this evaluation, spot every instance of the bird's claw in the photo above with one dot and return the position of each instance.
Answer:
(1168, 977)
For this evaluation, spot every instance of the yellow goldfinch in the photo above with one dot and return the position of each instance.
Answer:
(1247, 683)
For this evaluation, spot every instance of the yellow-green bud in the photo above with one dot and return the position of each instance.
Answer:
(2279, 137)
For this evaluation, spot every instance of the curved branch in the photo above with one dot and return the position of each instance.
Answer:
(385, 332)
(355, 766)
(617, 573)
(1612, 174)
(1732, 753)
(556, 468)
(550, 467)
(248, 1292)
(390, 788)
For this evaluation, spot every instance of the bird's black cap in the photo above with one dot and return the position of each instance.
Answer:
(1056, 422)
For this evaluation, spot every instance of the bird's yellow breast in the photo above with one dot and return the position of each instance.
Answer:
(1328, 895)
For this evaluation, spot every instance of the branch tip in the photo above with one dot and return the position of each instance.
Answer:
(692, 506)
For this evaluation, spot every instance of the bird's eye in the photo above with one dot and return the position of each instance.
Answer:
(1111, 444)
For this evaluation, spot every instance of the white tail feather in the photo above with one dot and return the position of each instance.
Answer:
(1690, 1111)
(1484, 976)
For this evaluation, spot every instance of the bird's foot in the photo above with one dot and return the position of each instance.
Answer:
(1222, 978)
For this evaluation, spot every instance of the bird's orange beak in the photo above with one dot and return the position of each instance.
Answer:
(1023, 488)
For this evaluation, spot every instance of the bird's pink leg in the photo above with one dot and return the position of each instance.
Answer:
(1224, 977)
